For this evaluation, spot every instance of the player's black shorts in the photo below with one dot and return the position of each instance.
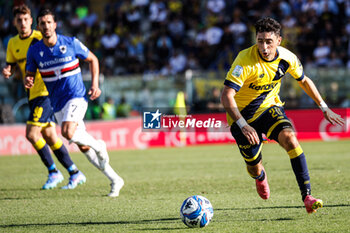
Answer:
(270, 123)
(41, 112)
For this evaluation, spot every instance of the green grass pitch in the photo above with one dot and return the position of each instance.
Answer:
(158, 180)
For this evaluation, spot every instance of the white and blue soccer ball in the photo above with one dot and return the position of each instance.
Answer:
(196, 211)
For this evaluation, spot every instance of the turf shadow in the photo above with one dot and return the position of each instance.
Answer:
(162, 229)
(280, 207)
(89, 223)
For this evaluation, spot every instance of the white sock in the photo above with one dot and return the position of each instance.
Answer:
(83, 138)
(92, 157)
(108, 171)
(111, 174)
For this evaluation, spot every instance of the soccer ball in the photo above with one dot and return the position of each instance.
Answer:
(196, 211)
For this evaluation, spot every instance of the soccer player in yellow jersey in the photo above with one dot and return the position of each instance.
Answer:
(40, 130)
(250, 97)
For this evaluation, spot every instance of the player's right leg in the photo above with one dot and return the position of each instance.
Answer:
(279, 128)
(73, 129)
(252, 157)
(38, 118)
(289, 142)
(34, 137)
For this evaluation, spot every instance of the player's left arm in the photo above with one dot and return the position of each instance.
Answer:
(94, 91)
(31, 69)
(11, 61)
(309, 87)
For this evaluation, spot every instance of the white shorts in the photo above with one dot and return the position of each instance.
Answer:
(74, 110)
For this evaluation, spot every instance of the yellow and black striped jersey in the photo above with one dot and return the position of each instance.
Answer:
(17, 49)
(257, 81)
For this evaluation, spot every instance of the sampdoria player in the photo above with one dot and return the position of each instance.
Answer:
(40, 130)
(253, 106)
(57, 58)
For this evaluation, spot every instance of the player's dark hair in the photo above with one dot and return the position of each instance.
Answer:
(21, 9)
(44, 12)
(268, 24)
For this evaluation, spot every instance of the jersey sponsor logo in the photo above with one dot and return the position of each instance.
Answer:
(265, 87)
(237, 71)
(55, 61)
(54, 73)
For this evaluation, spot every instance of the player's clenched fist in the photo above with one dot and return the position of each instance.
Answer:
(28, 82)
(7, 71)
(94, 92)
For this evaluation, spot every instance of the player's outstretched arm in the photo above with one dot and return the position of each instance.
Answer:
(94, 91)
(230, 105)
(28, 81)
(309, 87)
(7, 71)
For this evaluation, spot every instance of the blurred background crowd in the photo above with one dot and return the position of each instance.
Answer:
(167, 37)
(158, 38)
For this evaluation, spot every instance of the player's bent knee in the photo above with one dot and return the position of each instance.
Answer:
(51, 139)
(32, 136)
(68, 134)
(288, 139)
(68, 130)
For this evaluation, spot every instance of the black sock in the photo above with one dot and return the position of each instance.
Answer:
(53, 170)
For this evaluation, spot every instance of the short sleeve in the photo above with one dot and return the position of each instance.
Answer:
(236, 76)
(296, 68)
(81, 50)
(31, 65)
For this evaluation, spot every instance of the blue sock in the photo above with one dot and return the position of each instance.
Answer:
(302, 174)
(52, 168)
(44, 153)
(62, 154)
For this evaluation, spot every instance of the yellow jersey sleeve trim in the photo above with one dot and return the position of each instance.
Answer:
(232, 85)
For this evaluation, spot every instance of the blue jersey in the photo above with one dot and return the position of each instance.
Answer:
(59, 68)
